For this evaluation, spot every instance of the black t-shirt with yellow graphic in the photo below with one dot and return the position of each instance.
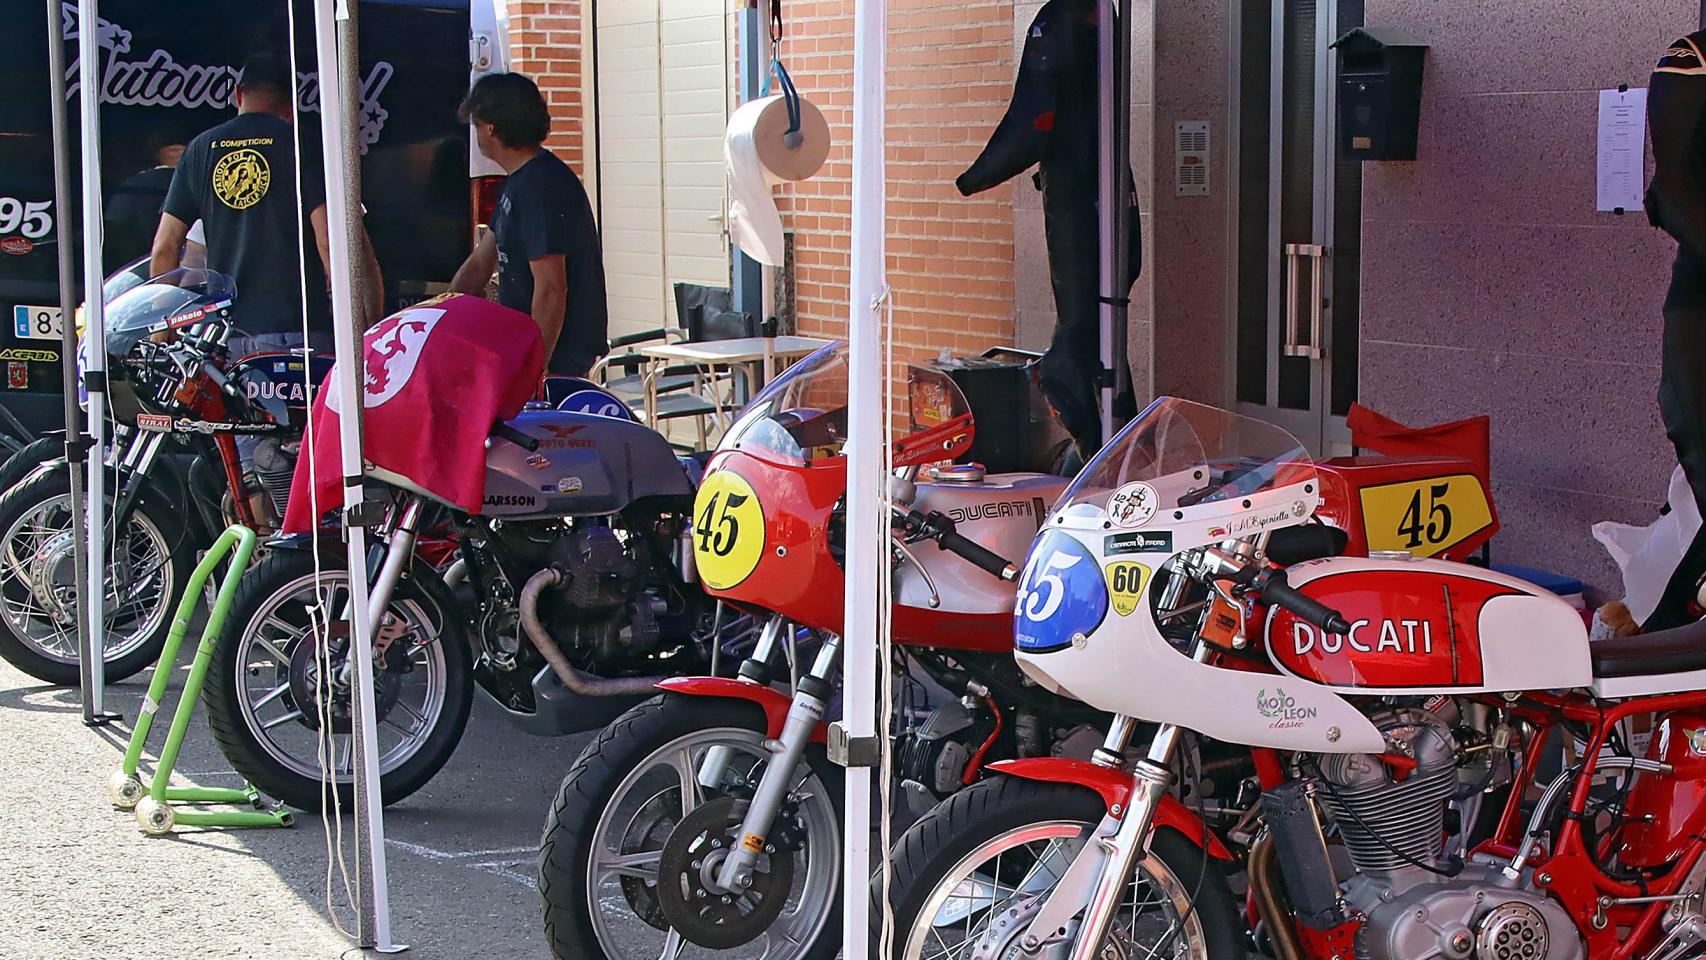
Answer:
(239, 179)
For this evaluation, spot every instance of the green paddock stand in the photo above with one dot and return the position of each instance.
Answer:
(159, 809)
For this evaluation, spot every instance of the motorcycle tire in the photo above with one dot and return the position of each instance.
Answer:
(571, 826)
(285, 570)
(971, 820)
(48, 493)
(27, 458)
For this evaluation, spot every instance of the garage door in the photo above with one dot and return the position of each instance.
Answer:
(663, 101)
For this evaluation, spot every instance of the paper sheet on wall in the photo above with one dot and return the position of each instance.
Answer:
(1622, 149)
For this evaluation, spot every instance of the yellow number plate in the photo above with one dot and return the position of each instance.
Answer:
(728, 530)
(1425, 517)
(1125, 585)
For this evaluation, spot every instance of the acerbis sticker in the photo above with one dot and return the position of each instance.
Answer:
(728, 530)
(1126, 579)
(1133, 505)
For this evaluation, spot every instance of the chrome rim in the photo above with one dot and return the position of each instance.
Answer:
(38, 584)
(980, 908)
(409, 678)
(654, 796)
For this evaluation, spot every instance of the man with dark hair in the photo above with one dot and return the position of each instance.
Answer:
(133, 211)
(543, 243)
(239, 179)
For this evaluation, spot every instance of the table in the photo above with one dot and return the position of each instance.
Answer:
(760, 354)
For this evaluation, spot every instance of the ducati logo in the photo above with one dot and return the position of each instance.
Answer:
(1395, 636)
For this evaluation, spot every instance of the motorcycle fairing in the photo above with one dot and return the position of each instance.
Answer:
(773, 702)
(1114, 786)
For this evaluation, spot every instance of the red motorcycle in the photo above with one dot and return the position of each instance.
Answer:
(1381, 699)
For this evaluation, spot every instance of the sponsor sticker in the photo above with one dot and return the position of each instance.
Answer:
(1126, 579)
(1141, 541)
(569, 485)
(537, 461)
(1283, 712)
(154, 422)
(17, 375)
(510, 500)
(31, 356)
(728, 530)
(1133, 505)
(17, 246)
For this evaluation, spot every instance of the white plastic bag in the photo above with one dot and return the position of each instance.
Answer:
(1648, 555)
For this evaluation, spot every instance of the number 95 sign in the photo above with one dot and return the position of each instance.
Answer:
(728, 530)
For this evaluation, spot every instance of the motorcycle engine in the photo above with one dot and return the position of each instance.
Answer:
(931, 760)
(1416, 901)
(275, 467)
(611, 615)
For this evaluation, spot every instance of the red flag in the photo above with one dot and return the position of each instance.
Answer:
(438, 375)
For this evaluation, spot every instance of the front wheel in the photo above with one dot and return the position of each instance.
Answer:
(278, 700)
(969, 877)
(628, 861)
(146, 565)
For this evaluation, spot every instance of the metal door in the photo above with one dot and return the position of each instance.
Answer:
(1298, 214)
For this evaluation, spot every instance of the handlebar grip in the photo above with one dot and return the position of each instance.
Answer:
(1277, 592)
(515, 436)
(986, 560)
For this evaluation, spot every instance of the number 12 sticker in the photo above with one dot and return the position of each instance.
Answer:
(728, 530)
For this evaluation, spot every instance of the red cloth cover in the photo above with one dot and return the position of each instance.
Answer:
(438, 375)
(1469, 439)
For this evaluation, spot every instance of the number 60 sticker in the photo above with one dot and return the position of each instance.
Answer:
(728, 530)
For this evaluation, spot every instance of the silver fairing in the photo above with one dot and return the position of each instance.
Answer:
(586, 465)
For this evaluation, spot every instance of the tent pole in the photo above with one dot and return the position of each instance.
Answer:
(867, 383)
(374, 930)
(92, 604)
(63, 151)
(1113, 135)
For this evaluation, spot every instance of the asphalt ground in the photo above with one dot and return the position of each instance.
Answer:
(79, 881)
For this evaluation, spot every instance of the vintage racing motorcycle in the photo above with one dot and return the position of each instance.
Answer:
(578, 594)
(176, 398)
(1382, 699)
(709, 816)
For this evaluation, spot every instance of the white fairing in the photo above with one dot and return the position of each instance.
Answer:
(1001, 513)
(1124, 665)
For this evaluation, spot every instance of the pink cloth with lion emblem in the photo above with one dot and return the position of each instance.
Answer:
(438, 376)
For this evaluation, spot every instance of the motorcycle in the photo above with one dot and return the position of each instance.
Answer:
(1383, 701)
(689, 813)
(171, 389)
(580, 591)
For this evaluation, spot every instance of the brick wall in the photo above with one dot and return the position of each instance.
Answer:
(545, 44)
(950, 264)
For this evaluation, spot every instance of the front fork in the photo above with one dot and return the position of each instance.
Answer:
(811, 698)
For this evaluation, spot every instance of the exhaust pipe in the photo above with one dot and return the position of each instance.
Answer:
(579, 681)
(1270, 905)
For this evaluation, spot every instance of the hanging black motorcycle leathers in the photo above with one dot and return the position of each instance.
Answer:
(1051, 121)
(1676, 203)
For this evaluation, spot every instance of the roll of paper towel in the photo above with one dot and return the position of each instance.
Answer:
(757, 156)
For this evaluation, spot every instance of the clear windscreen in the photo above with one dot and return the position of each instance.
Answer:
(167, 297)
(801, 416)
(1190, 453)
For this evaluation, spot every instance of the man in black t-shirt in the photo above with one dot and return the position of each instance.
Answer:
(133, 210)
(239, 179)
(544, 243)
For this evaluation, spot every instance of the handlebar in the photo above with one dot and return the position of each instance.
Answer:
(515, 436)
(935, 526)
(1275, 591)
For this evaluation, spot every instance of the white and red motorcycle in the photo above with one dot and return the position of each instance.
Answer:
(1382, 699)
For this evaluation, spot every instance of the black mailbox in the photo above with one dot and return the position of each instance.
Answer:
(1380, 94)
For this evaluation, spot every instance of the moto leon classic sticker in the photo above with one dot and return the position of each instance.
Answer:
(728, 530)
(1126, 579)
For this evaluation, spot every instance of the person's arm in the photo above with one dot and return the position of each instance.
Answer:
(550, 297)
(471, 277)
(322, 240)
(167, 254)
(374, 286)
(1676, 101)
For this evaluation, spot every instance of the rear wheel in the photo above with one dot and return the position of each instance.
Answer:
(969, 877)
(146, 565)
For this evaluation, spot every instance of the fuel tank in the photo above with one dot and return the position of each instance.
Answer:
(586, 465)
(1429, 626)
(1000, 512)
(274, 385)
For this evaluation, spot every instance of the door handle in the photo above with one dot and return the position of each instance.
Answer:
(1296, 344)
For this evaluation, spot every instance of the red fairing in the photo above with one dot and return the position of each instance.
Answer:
(773, 702)
(1350, 501)
(1667, 811)
(1408, 629)
(1114, 787)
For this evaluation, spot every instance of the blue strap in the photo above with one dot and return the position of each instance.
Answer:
(790, 96)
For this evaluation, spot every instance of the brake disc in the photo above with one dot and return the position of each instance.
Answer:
(305, 685)
(694, 905)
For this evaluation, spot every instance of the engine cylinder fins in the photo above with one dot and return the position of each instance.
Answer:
(1387, 827)
(1512, 931)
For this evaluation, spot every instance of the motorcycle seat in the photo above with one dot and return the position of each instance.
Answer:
(1677, 650)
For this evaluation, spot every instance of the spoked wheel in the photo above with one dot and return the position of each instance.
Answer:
(279, 699)
(634, 841)
(971, 876)
(146, 565)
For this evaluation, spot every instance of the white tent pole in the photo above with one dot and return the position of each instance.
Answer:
(375, 908)
(1113, 153)
(93, 664)
(867, 528)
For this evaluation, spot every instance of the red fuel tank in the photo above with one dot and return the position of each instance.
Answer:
(1429, 625)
